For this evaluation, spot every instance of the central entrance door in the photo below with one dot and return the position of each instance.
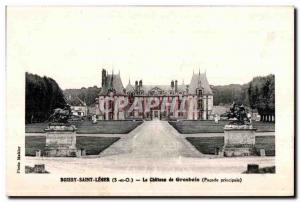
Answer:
(155, 114)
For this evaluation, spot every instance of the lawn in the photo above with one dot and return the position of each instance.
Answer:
(92, 145)
(107, 127)
(267, 143)
(207, 126)
(35, 127)
(87, 127)
(208, 145)
(34, 143)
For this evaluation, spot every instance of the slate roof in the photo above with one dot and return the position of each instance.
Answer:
(200, 80)
(165, 88)
(129, 87)
(197, 81)
(76, 102)
(113, 81)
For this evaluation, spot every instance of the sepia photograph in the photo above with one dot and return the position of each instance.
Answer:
(150, 101)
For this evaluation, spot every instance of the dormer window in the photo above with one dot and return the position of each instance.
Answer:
(199, 92)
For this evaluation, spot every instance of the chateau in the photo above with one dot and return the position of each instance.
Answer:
(193, 101)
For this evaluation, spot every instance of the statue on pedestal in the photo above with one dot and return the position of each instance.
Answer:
(238, 115)
(61, 135)
(61, 115)
(239, 134)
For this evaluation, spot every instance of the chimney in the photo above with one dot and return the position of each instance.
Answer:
(172, 84)
(176, 86)
(103, 77)
(136, 85)
(140, 83)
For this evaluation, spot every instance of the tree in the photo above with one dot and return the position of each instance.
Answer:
(225, 95)
(258, 94)
(43, 95)
(87, 95)
(261, 94)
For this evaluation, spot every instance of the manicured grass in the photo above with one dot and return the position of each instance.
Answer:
(35, 127)
(267, 143)
(208, 145)
(205, 126)
(107, 127)
(92, 145)
(34, 143)
(87, 127)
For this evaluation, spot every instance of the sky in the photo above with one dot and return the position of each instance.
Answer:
(155, 44)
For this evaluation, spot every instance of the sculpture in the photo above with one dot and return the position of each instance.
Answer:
(239, 134)
(61, 135)
(238, 115)
(61, 115)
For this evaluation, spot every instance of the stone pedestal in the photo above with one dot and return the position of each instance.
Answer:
(61, 141)
(239, 140)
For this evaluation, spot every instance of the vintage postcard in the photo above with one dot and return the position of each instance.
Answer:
(150, 101)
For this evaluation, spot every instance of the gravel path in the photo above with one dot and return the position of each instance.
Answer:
(153, 139)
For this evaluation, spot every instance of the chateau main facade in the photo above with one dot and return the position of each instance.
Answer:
(193, 101)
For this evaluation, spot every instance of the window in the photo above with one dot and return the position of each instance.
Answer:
(200, 104)
(199, 92)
